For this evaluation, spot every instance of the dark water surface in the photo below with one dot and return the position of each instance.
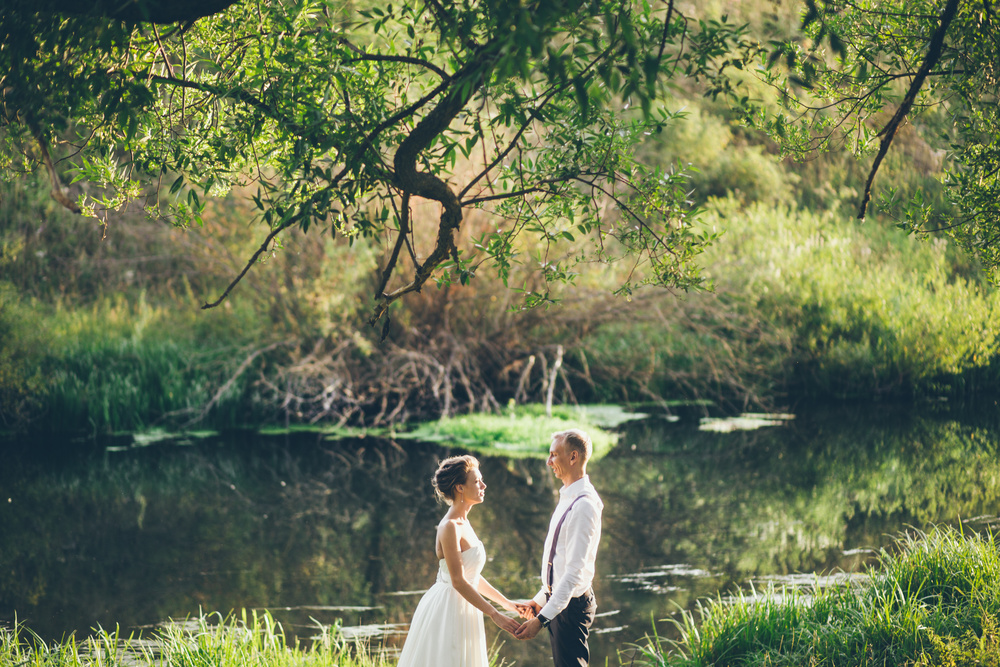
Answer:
(324, 532)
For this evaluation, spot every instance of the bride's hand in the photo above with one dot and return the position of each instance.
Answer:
(506, 623)
(525, 609)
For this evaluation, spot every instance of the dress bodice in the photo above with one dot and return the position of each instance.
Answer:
(473, 560)
(447, 630)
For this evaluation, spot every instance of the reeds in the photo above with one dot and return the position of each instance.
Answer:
(934, 601)
(251, 640)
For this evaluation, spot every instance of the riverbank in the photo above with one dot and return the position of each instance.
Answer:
(805, 306)
(103, 328)
(931, 601)
(209, 640)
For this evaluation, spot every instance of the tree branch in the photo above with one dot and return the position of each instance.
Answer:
(632, 214)
(510, 146)
(374, 57)
(519, 193)
(392, 120)
(933, 55)
(404, 225)
(238, 94)
(253, 260)
(57, 187)
(666, 32)
(423, 184)
(546, 98)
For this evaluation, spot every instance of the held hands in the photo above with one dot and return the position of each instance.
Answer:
(528, 629)
(505, 623)
(527, 608)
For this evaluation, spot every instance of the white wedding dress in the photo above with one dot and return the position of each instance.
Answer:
(446, 630)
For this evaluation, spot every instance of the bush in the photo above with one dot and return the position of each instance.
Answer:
(24, 343)
(868, 311)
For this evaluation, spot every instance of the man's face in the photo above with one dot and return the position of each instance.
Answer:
(560, 456)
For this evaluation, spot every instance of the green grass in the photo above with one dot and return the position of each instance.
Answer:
(121, 366)
(934, 601)
(524, 431)
(210, 640)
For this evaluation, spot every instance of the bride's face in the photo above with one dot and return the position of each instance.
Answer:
(474, 489)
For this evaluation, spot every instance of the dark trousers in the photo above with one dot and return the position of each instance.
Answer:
(569, 630)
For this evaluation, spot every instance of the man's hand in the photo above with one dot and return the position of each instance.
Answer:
(527, 608)
(528, 629)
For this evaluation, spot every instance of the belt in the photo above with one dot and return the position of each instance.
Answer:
(590, 592)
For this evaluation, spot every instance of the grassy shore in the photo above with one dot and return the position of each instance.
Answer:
(252, 640)
(805, 304)
(933, 601)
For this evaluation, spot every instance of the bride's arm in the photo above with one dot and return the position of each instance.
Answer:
(453, 558)
(486, 589)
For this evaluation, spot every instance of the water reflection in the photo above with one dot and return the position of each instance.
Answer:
(342, 532)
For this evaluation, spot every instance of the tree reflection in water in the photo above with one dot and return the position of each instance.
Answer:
(315, 529)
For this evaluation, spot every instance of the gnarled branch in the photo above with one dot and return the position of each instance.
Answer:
(428, 186)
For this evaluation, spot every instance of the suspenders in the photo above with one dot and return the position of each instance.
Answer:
(555, 540)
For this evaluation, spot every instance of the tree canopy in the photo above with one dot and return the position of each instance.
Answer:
(341, 115)
(344, 115)
(859, 70)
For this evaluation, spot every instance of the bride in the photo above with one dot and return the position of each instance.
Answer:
(447, 628)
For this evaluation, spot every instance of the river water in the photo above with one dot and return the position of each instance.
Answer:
(323, 532)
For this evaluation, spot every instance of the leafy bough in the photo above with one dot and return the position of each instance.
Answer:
(324, 116)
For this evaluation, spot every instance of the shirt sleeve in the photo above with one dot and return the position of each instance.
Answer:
(540, 598)
(582, 530)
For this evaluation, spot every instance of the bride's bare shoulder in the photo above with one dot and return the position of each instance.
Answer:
(450, 525)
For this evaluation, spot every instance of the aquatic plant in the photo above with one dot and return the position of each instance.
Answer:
(520, 431)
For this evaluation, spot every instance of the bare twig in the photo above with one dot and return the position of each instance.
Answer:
(375, 57)
(253, 260)
(404, 224)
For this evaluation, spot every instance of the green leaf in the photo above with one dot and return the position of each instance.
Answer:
(177, 184)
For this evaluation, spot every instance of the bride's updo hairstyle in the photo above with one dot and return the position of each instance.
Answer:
(450, 473)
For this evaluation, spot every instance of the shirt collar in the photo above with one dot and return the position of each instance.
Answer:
(576, 488)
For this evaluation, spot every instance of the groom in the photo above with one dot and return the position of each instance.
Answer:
(565, 604)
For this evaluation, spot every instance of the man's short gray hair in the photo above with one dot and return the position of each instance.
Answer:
(577, 440)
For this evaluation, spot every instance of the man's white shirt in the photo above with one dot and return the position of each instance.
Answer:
(576, 552)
